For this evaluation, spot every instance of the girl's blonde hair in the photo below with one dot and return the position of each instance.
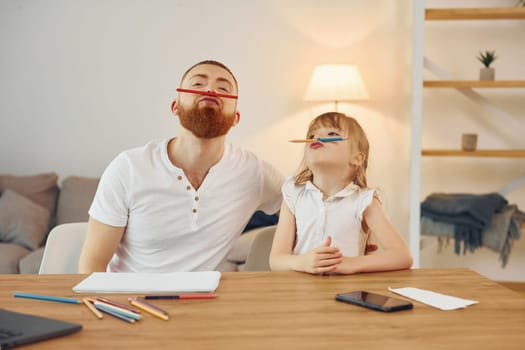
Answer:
(358, 143)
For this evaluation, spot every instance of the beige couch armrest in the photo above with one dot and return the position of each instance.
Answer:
(253, 248)
(30, 263)
(259, 255)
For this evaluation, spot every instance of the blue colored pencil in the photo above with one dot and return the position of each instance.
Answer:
(118, 310)
(330, 139)
(46, 297)
(105, 309)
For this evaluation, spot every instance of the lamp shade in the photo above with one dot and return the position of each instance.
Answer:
(336, 82)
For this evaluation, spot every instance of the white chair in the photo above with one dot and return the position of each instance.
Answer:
(63, 248)
(258, 258)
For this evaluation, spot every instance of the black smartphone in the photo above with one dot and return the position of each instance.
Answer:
(374, 301)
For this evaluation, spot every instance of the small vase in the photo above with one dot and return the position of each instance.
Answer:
(469, 142)
(487, 74)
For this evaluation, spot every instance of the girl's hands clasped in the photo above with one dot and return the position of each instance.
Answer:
(323, 259)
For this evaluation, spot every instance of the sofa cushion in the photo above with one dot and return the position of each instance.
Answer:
(241, 247)
(41, 189)
(30, 263)
(22, 221)
(76, 195)
(10, 254)
(258, 258)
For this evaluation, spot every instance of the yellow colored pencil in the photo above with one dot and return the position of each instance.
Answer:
(302, 140)
(143, 306)
(91, 308)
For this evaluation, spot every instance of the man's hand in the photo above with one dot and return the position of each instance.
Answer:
(370, 248)
(322, 259)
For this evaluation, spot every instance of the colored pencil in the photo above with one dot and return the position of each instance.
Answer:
(158, 309)
(208, 93)
(320, 139)
(46, 297)
(302, 140)
(117, 304)
(118, 310)
(155, 311)
(105, 309)
(91, 308)
(181, 296)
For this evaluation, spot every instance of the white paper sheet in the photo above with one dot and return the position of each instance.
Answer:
(150, 283)
(437, 300)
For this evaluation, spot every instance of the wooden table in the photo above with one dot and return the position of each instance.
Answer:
(290, 310)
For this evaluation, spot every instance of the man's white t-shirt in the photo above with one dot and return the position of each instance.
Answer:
(339, 216)
(170, 226)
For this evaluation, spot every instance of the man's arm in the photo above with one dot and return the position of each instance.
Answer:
(100, 245)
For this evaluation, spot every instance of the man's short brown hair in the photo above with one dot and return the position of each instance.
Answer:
(212, 62)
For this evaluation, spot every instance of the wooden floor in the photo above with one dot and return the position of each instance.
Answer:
(516, 286)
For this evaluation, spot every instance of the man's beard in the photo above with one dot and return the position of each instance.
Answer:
(206, 122)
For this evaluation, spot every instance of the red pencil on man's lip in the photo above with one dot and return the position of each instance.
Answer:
(180, 296)
(209, 93)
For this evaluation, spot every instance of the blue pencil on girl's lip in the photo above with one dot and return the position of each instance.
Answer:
(46, 297)
(330, 139)
(321, 139)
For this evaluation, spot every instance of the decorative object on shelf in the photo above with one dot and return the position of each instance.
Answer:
(487, 57)
(469, 142)
(520, 3)
(336, 82)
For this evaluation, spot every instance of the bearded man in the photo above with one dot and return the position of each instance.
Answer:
(179, 204)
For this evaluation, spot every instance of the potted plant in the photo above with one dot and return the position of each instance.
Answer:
(487, 57)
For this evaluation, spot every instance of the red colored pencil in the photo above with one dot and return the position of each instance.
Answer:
(208, 93)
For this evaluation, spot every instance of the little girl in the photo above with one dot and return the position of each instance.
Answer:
(328, 213)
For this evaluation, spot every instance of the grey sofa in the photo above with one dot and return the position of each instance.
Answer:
(30, 206)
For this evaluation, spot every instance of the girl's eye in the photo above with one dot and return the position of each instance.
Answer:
(310, 136)
(224, 89)
(196, 84)
(333, 133)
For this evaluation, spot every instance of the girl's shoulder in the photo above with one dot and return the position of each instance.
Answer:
(289, 185)
(293, 191)
(368, 194)
(368, 191)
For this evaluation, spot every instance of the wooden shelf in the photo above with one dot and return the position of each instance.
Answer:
(510, 153)
(475, 13)
(474, 83)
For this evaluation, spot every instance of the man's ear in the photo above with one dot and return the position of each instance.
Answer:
(174, 108)
(237, 118)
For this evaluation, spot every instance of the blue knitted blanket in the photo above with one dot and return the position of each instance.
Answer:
(473, 220)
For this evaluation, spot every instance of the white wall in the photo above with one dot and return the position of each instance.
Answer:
(454, 45)
(82, 80)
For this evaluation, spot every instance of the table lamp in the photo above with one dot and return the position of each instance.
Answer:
(336, 82)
